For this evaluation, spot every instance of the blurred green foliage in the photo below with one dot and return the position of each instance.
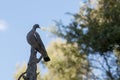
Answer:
(66, 62)
(97, 28)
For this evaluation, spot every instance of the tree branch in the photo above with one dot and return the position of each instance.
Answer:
(108, 72)
(21, 75)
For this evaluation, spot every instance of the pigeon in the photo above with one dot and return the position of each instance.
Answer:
(33, 38)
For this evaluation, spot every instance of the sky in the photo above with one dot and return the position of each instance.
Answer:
(16, 19)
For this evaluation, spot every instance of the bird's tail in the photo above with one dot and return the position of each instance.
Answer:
(46, 59)
(45, 55)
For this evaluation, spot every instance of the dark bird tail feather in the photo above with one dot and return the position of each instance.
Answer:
(46, 59)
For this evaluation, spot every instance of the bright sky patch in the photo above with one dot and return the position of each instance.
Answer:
(3, 25)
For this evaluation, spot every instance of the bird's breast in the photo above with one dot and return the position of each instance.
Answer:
(30, 38)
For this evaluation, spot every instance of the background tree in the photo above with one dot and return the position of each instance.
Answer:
(96, 30)
(66, 62)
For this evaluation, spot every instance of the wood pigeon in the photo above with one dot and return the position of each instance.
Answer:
(33, 38)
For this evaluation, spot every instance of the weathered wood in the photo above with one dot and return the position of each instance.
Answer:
(31, 72)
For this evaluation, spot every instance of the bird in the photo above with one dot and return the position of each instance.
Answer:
(34, 39)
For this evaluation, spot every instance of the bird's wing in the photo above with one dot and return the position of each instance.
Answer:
(41, 47)
(39, 41)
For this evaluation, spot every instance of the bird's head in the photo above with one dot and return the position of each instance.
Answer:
(36, 26)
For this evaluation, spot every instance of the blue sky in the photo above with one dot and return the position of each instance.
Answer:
(17, 17)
